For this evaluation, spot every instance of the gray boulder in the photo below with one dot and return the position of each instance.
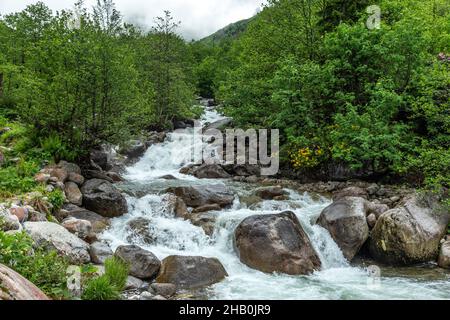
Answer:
(143, 264)
(99, 252)
(346, 221)
(444, 255)
(52, 236)
(103, 198)
(191, 272)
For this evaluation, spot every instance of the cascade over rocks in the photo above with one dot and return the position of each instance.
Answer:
(410, 233)
(276, 243)
(346, 221)
(103, 198)
(191, 272)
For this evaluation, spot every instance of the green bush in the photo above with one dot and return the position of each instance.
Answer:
(100, 288)
(109, 285)
(56, 198)
(47, 270)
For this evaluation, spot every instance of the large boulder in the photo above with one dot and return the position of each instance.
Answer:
(103, 198)
(191, 272)
(211, 171)
(444, 255)
(346, 221)
(197, 196)
(276, 243)
(52, 236)
(410, 233)
(143, 264)
(15, 287)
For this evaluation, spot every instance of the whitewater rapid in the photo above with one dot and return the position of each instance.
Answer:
(338, 279)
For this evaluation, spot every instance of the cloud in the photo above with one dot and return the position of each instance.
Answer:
(199, 18)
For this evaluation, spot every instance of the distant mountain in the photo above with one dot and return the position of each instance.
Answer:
(232, 31)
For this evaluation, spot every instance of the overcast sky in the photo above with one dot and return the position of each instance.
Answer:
(199, 17)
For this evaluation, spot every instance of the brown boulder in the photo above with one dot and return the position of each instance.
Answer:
(276, 243)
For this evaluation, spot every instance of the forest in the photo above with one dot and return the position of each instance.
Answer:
(353, 101)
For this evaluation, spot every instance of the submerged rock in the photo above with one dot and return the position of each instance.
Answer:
(197, 196)
(270, 193)
(276, 243)
(191, 272)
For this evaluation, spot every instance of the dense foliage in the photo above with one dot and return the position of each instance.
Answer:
(373, 100)
(79, 79)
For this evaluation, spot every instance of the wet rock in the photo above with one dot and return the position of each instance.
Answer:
(197, 196)
(191, 272)
(444, 255)
(103, 198)
(205, 221)
(143, 264)
(410, 233)
(81, 228)
(346, 221)
(114, 176)
(100, 158)
(100, 252)
(73, 193)
(276, 243)
(168, 177)
(55, 237)
(177, 206)
(211, 171)
(134, 149)
(269, 193)
(15, 287)
(206, 208)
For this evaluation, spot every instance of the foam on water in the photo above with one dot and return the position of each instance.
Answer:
(172, 236)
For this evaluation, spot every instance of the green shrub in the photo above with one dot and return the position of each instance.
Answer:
(47, 270)
(116, 270)
(100, 288)
(54, 146)
(109, 285)
(56, 198)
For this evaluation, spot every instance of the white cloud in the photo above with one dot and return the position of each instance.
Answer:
(198, 18)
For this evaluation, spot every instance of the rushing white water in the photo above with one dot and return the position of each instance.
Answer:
(169, 236)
